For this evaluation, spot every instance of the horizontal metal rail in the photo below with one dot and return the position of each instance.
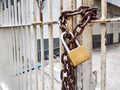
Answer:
(45, 23)
(109, 20)
(29, 24)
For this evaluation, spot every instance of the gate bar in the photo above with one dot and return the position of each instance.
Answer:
(23, 30)
(103, 44)
(29, 46)
(42, 44)
(16, 43)
(50, 30)
(61, 47)
(35, 45)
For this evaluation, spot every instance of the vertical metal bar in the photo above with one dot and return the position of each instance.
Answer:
(12, 74)
(103, 56)
(11, 46)
(26, 39)
(24, 57)
(5, 13)
(87, 66)
(35, 45)
(35, 54)
(9, 12)
(10, 57)
(12, 16)
(29, 46)
(23, 42)
(15, 40)
(23, 11)
(70, 19)
(79, 3)
(42, 44)
(23, 8)
(103, 9)
(14, 47)
(31, 3)
(15, 11)
(18, 32)
(103, 44)
(61, 9)
(5, 43)
(61, 47)
(8, 53)
(61, 5)
(30, 62)
(19, 58)
(79, 67)
(14, 55)
(74, 17)
(0, 12)
(19, 13)
(4, 2)
(50, 30)
(87, 42)
(21, 61)
(21, 48)
(24, 49)
(42, 55)
(16, 43)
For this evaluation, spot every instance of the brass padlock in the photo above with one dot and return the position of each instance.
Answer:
(77, 55)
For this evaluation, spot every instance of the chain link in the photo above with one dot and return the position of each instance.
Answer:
(68, 72)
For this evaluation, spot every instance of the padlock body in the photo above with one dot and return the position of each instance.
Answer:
(78, 55)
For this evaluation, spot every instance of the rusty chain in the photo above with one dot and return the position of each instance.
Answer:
(68, 76)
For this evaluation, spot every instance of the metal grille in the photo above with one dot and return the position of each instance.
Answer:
(20, 21)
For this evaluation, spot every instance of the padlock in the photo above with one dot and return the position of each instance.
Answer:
(77, 55)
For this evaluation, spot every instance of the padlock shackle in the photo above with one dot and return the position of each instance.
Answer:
(64, 43)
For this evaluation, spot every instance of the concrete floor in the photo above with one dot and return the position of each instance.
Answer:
(113, 69)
